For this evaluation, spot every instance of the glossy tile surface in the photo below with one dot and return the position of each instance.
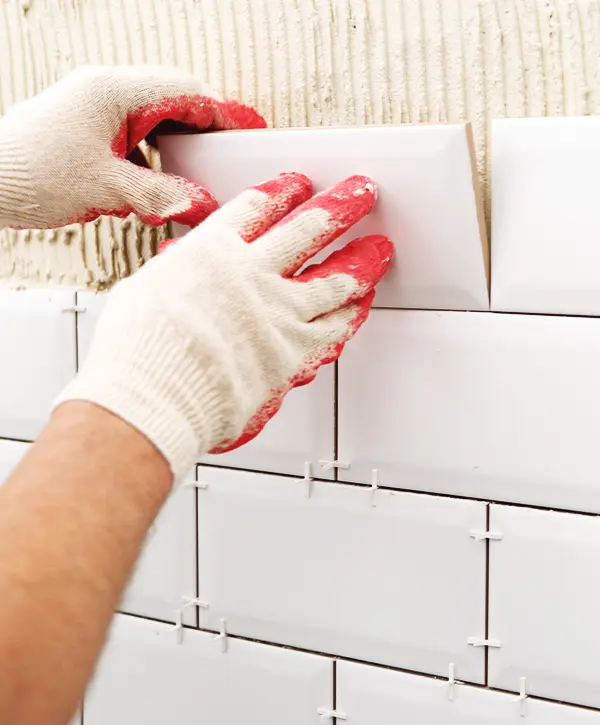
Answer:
(427, 202)
(503, 407)
(146, 678)
(545, 225)
(400, 582)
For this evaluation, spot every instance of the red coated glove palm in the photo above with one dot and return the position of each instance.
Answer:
(64, 155)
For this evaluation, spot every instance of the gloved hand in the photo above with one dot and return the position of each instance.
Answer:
(63, 154)
(198, 348)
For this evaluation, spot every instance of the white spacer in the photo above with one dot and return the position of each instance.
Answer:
(222, 636)
(482, 642)
(374, 485)
(190, 601)
(328, 714)
(308, 479)
(329, 465)
(451, 684)
(178, 626)
(74, 308)
(483, 535)
(195, 484)
(522, 695)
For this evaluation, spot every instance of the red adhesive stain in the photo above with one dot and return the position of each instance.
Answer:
(366, 259)
(346, 203)
(284, 193)
(306, 375)
(203, 112)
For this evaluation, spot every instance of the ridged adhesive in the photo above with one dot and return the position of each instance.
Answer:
(299, 62)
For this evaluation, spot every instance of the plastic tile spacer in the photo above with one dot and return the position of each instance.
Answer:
(328, 714)
(330, 465)
(74, 308)
(486, 535)
(482, 642)
(222, 637)
(451, 683)
(522, 695)
(191, 601)
(195, 484)
(308, 479)
(178, 626)
(373, 488)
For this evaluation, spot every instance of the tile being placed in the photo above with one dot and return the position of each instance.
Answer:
(11, 453)
(373, 696)
(37, 356)
(544, 603)
(386, 577)
(146, 677)
(545, 227)
(502, 407)
(302, 430)
(428, 196)
(165, 575)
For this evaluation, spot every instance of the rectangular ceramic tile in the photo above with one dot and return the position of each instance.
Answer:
(37, 357)
(11, 453)
(146, 678)
(545, 225)
(400, 582)
(166, 571)
(302, 430)
(372, 696)
(494, 406)
(427, 198)
(544, 604)
(91, 304)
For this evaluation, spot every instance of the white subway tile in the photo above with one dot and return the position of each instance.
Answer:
(388, 577)
(544, 603)
(37, 356)
(545, 223)
(427, 199)
(496, 406)
(374, 696)
(146, 677)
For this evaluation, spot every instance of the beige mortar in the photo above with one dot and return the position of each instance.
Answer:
(300, 62)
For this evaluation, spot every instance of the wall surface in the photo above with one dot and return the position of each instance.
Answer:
(299, 62)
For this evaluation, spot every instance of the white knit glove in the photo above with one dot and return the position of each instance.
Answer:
(63, 154)
(198, 348)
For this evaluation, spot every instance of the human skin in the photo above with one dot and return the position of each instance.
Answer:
(73, 517)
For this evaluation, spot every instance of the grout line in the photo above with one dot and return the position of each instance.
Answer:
(197, 550)
(293, 476)
(419, 492)
(334, 675)
(336, 374)
(391, 668)
(15, 440)
(518, 313)
(487, 596)
(76, 321)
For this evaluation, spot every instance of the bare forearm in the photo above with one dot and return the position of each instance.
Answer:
(73, 517)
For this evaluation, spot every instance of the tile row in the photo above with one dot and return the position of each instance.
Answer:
(411, 581)
(147, 678)
(501, 407)
(544, 226)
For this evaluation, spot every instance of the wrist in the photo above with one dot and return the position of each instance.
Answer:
(98, 432)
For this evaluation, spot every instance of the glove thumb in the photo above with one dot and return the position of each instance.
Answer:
(157, 197)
